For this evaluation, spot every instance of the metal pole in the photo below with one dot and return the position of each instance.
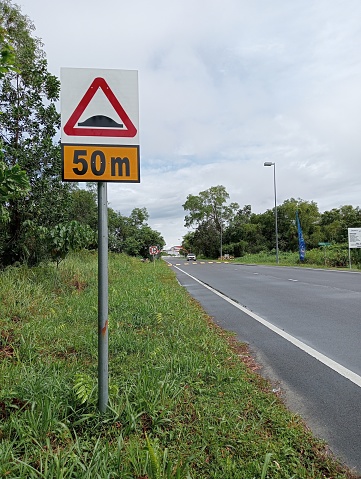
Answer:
(221, 233)
(102, 297)
(276, 222)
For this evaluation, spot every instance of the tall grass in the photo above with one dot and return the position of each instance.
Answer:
(182, 404)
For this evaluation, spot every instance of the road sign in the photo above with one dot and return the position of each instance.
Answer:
(101, 163)
(99, 138)
(100, 125)
(354, 237)
(99, 107)
(153, 250)
(324, 244)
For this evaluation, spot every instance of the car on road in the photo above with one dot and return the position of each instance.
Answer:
(191, 257)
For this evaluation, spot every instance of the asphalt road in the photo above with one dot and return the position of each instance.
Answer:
(304, 327)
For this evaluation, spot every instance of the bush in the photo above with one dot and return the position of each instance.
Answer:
(235, 249)
(333, 256)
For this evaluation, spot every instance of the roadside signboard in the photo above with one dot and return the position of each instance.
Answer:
(100, 125)
(100, 142)
(354, 237)
(354, 241)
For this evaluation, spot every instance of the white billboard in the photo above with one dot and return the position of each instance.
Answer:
(354, 237)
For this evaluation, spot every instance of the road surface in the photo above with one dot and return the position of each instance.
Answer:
(304, 327)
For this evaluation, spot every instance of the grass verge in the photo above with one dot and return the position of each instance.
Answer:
(184, 401)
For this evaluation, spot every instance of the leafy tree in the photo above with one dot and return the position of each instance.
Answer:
(13, 181)
(309, 218)
(188, 243)
(13, 184)
(206, 240)
(28, 124)
(72, 236)
(210, 215)
(56, 242)
(118, 230)
(139, 217)
(287, 228)
(334, 223)
(7, 56)
(209, 207)
(132, 235)
(244, 234)
(146, 237)
(264, 225)
(83, 207)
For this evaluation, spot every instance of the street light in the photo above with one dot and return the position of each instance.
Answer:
(269, 163)
(221, 232)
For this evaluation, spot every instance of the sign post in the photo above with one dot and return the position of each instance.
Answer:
(153, 250)
(102, 296)
(100, 142)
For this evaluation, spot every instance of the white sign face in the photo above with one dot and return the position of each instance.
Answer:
(354, 237)
(99, 107)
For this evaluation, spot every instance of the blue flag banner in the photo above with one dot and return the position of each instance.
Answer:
(301, 241)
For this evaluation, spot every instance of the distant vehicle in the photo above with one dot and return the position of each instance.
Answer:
(191, 257)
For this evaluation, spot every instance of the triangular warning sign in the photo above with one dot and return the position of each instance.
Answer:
(100, 125)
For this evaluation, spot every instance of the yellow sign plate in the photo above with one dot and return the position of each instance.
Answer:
(101, 163)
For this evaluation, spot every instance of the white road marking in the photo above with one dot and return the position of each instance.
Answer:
(295, 280)
(346, 373)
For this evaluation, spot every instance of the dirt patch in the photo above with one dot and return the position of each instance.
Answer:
(7, 340)
(11, 405)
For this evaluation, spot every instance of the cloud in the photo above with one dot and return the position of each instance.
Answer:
(223, 88)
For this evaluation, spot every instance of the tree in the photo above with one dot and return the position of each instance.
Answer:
(28, 124)
(13, 181)
(7, 56)
(132, 235)
(206, 240)
(188, 243)
(139, 217)
(13, 184)
(334, 223)
(287, 229)
(83, 207)
(146, 237)
(210, 215)
(209, 207)
(55, 243)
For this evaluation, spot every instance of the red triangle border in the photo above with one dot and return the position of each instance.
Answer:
(70, 128)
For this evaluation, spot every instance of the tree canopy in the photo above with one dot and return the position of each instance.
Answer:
(43, 217)
(246, 232)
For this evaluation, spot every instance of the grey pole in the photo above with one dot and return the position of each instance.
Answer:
(276, 215)
(102, 297)
(221, 234)
(269, 163)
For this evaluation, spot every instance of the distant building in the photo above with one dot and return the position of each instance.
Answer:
(174, 250)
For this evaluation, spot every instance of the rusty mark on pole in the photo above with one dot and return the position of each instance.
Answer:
(104, 330)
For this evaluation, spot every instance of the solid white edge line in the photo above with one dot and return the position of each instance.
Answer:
(346, 373)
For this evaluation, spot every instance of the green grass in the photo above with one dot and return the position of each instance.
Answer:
(183, 404)
(335, 256)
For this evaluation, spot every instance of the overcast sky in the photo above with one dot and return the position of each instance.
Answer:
(223, 87)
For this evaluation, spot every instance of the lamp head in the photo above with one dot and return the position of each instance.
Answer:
(268, 163)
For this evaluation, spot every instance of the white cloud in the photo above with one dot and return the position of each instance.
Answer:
(225, 86)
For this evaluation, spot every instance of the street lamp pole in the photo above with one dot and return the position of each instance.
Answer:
(221, 230)
(269, 163)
